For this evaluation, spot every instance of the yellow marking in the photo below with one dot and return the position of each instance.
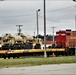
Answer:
(31, 50)
(3, 51)
(47, 50)
(74, 37)
(16, 51)
(57, 49)
(36, 50)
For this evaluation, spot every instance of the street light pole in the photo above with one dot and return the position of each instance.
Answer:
(45, 54)
(37, 22)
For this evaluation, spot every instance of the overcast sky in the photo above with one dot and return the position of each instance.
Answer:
(59, 13)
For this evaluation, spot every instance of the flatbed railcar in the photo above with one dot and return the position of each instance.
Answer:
(31, 52)
(3, 53)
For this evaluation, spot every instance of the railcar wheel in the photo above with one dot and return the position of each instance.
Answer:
(8, 57)
(13, 57)
(17, 56)
(47, 55)
(4, 57)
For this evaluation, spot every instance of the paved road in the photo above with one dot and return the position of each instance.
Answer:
(57, 69)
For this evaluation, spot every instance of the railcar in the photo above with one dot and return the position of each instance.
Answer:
(66, 39)
(64, 44)
(15, 46)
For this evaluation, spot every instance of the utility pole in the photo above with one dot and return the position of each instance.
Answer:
(19, 30)
(34, 33)
(75, 39)
(53, 34)
(75, 30)
(45, 54)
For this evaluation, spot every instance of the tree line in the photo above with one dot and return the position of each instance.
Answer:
(48, 37)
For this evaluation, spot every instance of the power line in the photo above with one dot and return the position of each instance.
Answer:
(48, 19)
(33, 14)
(60, 9)
(17, 16)
(53, 20)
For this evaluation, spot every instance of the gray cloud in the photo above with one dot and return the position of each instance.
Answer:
(59, 13)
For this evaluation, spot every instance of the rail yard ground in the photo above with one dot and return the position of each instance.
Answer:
(34, 61)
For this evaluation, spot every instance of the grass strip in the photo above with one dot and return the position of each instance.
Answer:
(33, 61)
